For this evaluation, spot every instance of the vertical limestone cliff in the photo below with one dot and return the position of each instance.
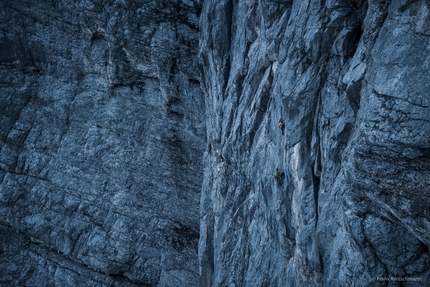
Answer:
(351, 80)
(101, 141)
(139, 140)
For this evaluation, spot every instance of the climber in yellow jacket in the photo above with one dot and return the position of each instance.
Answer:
(277, 174)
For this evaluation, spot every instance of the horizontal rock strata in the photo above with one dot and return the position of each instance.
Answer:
(101, 143)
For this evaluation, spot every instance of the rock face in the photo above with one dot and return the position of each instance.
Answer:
(101, 142)
(351, 81)
(111, 110)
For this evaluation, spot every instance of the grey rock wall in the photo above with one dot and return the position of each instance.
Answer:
(351, 80)
(101, 143)
(119, 118)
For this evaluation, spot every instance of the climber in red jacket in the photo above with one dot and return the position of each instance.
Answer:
(281, 124)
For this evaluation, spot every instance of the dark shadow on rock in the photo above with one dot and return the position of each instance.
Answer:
(280, 178)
